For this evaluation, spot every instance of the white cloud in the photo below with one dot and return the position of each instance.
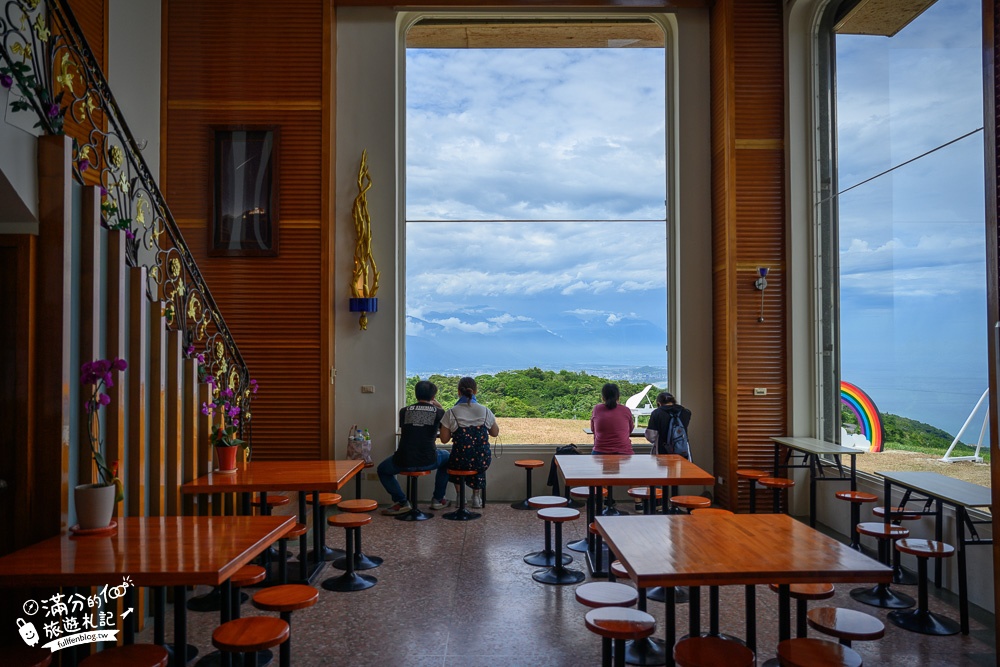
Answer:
(613, 319)
(467, 327)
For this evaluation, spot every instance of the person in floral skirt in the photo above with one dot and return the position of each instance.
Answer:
(469, 426)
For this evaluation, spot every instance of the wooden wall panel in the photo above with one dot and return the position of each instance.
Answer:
(748, 203)
(215, 76)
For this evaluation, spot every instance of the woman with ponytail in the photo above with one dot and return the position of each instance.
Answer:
(611, 423)
(470, 425)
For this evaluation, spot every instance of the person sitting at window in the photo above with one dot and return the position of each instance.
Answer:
(658, 430)
(418, 426)
(470, 425)
(611, 423)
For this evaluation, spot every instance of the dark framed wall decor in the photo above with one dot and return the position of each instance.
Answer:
(244, 218)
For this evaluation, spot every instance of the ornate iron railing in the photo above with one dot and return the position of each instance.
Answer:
(47, 64)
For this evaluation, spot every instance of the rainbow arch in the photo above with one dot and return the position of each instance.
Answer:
(863, 408)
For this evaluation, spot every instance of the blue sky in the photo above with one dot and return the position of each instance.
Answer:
(549, 134)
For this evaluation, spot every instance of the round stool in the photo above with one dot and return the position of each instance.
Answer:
(807, 652)
(528, 465)
(411, 494)
(641, 494)
(711, 652)
(21, 655)
(897, 515)
(690, 502)
(617, 624)
(284, 600)
(711, 511)
(128, 655)
(881, 595)
(598, 594)
(248, 575)
(462, 513)
(802, 594)
(645, 651)
(547, 557)
(776, 484)
(298, 530)
(265, 503)
(361, 561)
(319, 524)
(357, 479)
(250, 635)
(558, 574)
(580, 493)
(921, 619)
(856, 498)
(350, 580)
(846, 625)
(752, 475)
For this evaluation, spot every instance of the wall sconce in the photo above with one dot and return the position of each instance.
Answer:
(761, 284)
(364, 282)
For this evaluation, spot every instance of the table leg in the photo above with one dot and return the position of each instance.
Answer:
(784, 613)
(247, 506)
(317, 530)
(939, 536)
(751, 616)
(180, 626)
(669, 625)
(813, 470)
(160, 611)
(694, 610)
(226, 608)
(854, 472)
(887, 501)
(963, 584)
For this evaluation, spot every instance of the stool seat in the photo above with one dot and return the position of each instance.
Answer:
(925, 548)
(558, 514)
(248, 575)
(690, 502)
(415, 473)
(540, 502)
(606, 594)
(358, 505)
(253, 633)
(325, 499)
(751, 473)
(808, 591)
(896, 514)
(882, 530)
(349, 520)
(643, 492)
(620, 623)
(718, 511)
(129, 655)
(584, 491)
(461, 473)
(272, 501)
(298, 530)
(711, 652)
(529, 463)
(619, 570)
(857, 496)
(808, 652)
(285, 598)
(776, 482)
(21, 655)
(845, 624)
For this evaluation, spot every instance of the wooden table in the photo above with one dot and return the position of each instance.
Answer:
(938, 489)
(812, 451)
(749, 549)
(596, 471)
(269, 476)
(152, 551)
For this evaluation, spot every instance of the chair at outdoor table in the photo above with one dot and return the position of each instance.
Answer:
(644, 651)
(361, 561)
(808, 652)
(350, 580)
(528, 465)
(298, 530)
(921, 619)
(582, 493)
(802, 594)
(704, 651)
(249, 636)
(284, 600)
(547, 556)
(897, 516)
(846, 625)
(558, 574)
(690, 502)
(415, 513)
(462, 513)
(618, 624)
(881, 595)
(752, 475)
(776, 484)
(856, 498)
(319, 523)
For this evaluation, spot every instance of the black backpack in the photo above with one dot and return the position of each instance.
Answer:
(676, 440)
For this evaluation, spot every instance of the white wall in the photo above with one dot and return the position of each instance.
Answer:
(368, 60)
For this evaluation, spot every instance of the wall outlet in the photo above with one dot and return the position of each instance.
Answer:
(367, 389)
(760, 391)
(718, 480)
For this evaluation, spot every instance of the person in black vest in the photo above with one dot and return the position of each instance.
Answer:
(418, 426)
(659, 422)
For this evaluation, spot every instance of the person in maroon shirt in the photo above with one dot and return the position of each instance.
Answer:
(611, 423)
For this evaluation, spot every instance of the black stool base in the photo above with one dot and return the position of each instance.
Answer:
(414, 515)
(546, 558)
(904, 578)
(211, 601)
(646, 651)
(328, 554)
(718, 635)
(361, 562)
(190, 653)
(559, 576)
(522, 505)
(882, 596)
(924, 622)
(579, 546)
(349, 581)
(611, 510)
(461, 514)
(658, 594)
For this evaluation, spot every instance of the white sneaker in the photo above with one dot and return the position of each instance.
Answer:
(440, 504)
(477, 499)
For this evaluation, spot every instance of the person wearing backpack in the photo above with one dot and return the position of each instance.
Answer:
(667, 429)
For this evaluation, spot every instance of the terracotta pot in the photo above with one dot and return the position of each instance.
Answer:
(227, 458)
(95, 505)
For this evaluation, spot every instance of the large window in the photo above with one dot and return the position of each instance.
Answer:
(536, 232)
(910, 225)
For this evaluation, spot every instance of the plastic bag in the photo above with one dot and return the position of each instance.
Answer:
(358, 449)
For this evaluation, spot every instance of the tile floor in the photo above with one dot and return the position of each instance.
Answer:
(457, 593)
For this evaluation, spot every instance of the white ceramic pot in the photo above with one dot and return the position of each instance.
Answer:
(95, 505)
